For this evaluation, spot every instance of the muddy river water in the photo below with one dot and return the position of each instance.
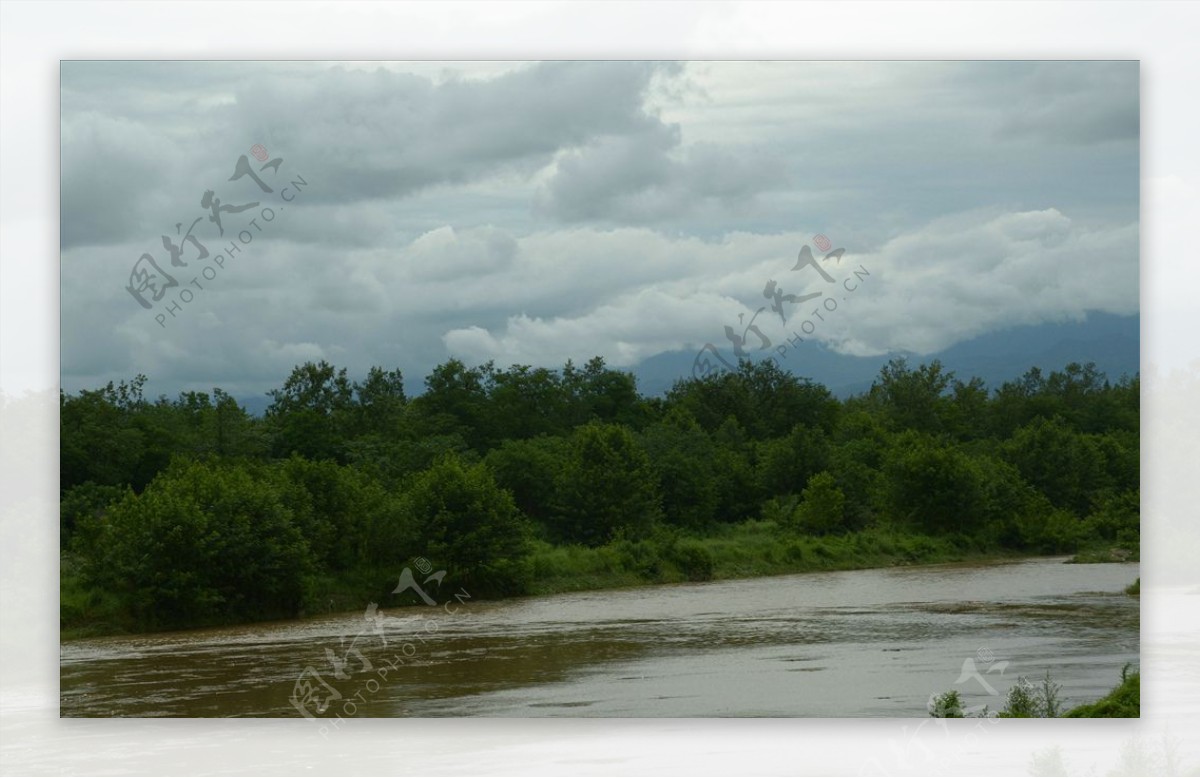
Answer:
(854, 643)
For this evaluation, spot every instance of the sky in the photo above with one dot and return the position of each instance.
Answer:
(531, 213)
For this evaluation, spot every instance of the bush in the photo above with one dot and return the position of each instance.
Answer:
(463, 521)
(1123, 702)
(1026, 701)
(823, 508)
(203, 544)
(946, 706)
(606, 487)
(694, 560)
(1049, 530)
(1117, 519)
(936, 488)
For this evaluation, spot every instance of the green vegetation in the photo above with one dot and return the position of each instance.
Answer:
(190, 512)
(744, 550)
(1134, 589)
(1123, 702)
(1026, 700)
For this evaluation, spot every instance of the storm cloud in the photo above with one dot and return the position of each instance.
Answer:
(534, 212)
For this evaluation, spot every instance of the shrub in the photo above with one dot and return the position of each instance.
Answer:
(823, 508)
(204, 543)
(946, 706)
(606, 487)
(1123, 702)
(467, 523)
(694, 560)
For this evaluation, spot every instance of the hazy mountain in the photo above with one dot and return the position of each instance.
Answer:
(1109, 341)
(1112, 342)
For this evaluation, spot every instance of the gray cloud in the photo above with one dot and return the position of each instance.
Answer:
(535, 212)
(365, 136)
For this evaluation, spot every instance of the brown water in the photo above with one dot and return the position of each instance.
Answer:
(855, 643)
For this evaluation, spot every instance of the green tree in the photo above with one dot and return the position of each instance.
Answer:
(525, 402)
(822, 511)
(1065, 465)
(529, 470)
(932, 486)
(309, 414)
(85, 502)
(685, 461)
(205, 543)
(739, 488)
(787, 463)
(913, 399)
(765, 400)
(342, 512)
(98, 442)
(465, 522)
(379, 403)
(599, 393)
(606, 486)
(966, 413)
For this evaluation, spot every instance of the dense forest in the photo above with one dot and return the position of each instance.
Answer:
(191, 512)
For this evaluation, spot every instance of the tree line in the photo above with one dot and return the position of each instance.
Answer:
(192, 511)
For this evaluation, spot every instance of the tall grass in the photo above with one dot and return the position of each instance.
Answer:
(746, 550)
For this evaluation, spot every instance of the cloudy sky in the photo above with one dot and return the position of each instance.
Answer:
(535, 212)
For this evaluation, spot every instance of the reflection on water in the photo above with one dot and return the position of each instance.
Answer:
(855, 643)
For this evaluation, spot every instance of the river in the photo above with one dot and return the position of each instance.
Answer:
(845, 644)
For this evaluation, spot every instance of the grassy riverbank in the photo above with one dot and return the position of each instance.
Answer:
(746, 550)
(1042, 700)
(1123, 702)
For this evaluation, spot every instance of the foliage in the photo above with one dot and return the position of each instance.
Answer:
(528, 469)
(1123, 702)
(913, 399)
(465, 521)
(606, 487)
(947, 706)
(309, 412)
(1027, 701)
(1043, 700)
(192, 511)
(85, 502)
(204, 543)
(934, 487)
(822, 510)
(682, 455)
(1078, 464)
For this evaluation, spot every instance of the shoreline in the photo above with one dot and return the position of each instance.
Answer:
(619, 580)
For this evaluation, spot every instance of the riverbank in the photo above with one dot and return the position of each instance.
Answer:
(749, 549)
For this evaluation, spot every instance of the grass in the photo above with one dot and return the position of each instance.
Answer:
(1042, 701)
(87, 612)
(1102, 552)
(729, 551)
(1134, 589)
(1123, 702)
(747, 550)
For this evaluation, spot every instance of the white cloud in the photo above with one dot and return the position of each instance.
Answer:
(927, 290)
(537, 212)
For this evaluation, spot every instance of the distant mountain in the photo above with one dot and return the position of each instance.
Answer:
(1112, 342)
(255, 405)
